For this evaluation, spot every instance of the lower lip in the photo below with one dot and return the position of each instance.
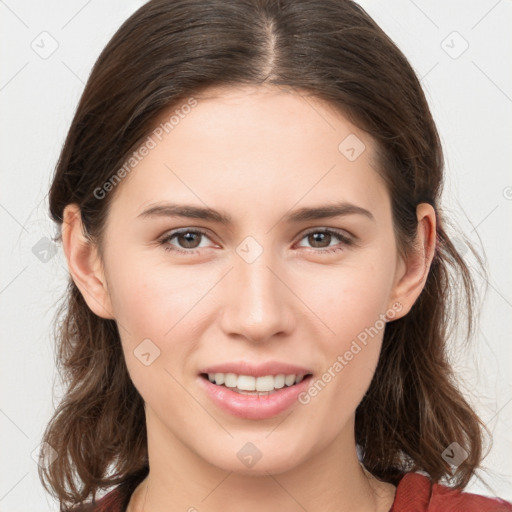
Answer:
(254, 407)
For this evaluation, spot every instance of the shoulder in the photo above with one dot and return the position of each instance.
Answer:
(416, 493)
(114, 501)
(118, 498)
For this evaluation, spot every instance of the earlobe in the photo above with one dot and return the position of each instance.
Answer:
(412, 272)
(84, 263)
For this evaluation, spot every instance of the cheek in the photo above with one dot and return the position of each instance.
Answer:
(150, 300)
(157, 308)
(353, 305)
(353, 300)
(151, 312)
(146, 307)
(350, 358)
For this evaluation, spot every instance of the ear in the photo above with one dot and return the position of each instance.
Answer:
(412, 271)
(84, 263)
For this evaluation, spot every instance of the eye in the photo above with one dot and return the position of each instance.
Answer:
(187, 238)
(324, 237)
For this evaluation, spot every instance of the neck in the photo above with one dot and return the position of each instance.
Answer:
(331, 480)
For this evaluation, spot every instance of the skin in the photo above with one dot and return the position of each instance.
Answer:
(256, 153)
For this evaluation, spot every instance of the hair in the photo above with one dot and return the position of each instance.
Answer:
(163, 54)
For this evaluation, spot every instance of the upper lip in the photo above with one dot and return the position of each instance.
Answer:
(259, 370)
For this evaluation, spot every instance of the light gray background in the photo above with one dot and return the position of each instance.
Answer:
(470, 93)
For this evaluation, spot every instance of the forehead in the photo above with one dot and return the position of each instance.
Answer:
(253, 147)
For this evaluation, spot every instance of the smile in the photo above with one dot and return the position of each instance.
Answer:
(250, 385)
(252, 403)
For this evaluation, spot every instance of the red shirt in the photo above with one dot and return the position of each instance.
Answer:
(415, 493)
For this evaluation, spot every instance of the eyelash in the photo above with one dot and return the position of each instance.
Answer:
(167, 247)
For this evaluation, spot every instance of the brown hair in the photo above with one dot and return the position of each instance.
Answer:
(332, 49)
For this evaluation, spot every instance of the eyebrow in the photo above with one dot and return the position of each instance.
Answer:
(296, 216)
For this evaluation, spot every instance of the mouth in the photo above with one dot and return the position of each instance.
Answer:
(255, 386)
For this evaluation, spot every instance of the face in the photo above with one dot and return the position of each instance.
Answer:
(270, 292)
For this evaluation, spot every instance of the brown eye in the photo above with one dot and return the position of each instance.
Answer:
(322, 239)
(187, 241)
(319, 238)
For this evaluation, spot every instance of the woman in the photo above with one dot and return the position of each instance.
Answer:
(260, 277)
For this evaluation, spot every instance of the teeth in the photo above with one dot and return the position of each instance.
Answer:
(263, 383)
(244, 383)
(279, 381)
(229, 380)
(289, 380)
(247, 383)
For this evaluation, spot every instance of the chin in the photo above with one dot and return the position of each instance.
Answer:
(258, 458)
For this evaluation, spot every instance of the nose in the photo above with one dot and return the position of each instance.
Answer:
(257, 303)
